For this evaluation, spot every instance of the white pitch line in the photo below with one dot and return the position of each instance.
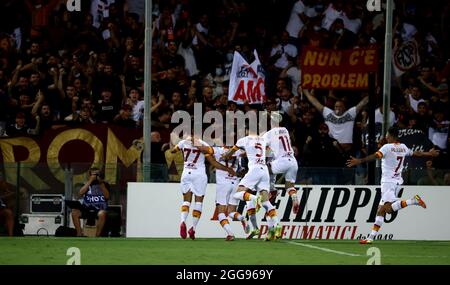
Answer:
(418, 256)
(323, 248)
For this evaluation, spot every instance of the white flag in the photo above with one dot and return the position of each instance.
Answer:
(247, 81)
(405, 57)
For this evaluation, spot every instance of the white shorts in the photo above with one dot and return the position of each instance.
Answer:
(257, 178)
(287, 166)
(194, 182)
(225, 191)
(389, 192)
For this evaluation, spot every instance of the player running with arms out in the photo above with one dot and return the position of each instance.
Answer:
(283, 162)
(257, 176)
(392, 156)
(194, 179)
(226, 185)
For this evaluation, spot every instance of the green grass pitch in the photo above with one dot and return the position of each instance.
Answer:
(104, 251)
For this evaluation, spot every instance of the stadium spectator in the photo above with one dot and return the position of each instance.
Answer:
(304, 126)
(378, 117)
(324, 153)
(71, 58)
(434, 176)
(413, 97)
(106, 108)
(20, 128)
(340, 121)
(135, 101)
(438, 132)
(293, 73)
(301, 14)
(284, 101)
(95, 195)
(124, 118)
(159, 171)
(83, 118)
(282, 52)
(423, 117)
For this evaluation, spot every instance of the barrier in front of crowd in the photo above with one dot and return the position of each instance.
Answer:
(327, 212)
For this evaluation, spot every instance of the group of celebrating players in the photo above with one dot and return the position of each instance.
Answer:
(254, 187)
(268, 155)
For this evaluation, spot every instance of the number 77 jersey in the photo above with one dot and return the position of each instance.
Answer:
(392, 158)
(194, 159)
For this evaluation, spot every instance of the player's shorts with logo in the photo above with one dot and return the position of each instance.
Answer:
(194, 181)
(287, 166)
(225, 190)
(389, 192)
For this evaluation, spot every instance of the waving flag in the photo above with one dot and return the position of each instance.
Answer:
(247, 81)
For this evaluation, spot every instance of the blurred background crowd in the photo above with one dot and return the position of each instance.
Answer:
(60, 68)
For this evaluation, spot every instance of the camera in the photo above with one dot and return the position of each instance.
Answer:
(98, 175)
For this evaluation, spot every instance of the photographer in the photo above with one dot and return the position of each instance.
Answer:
(95, 194)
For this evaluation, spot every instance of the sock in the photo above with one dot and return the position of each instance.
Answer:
(244, 196)
(225, 224)
(253, 222)
(252, 214)
(269, 221)
(196, 214)
(398, 205)
(292, 192)
(376, 227)
(184, 211)
(271, 213)
(273, 178)
(235, 216)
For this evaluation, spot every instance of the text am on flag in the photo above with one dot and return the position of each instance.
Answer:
(247, 81)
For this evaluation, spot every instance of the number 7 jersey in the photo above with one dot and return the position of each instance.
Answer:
(392, 158)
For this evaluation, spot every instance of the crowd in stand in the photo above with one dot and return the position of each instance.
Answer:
(60, 68)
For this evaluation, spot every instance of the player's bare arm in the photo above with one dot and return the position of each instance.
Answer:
(205, 149)
(229, 154)
(432, 152)
(220, 166)
(355, 161)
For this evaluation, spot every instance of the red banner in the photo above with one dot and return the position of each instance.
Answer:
(338, 69)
